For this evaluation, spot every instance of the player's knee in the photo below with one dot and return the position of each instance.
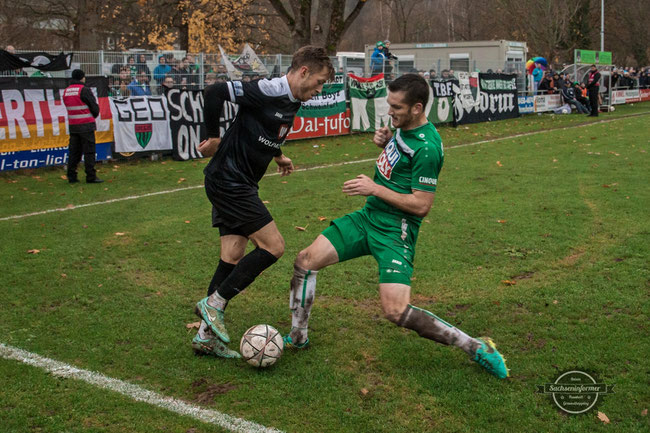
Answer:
(276, 247)
(302, 259)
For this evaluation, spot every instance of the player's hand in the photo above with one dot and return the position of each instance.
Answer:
(285, 166)
(382, 136)
(360, 185)
(209, 147)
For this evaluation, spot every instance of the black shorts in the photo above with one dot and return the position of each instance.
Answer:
(236, 209)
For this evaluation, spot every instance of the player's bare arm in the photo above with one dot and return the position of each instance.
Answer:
(382, 136)
(417, 203)
(285, 166)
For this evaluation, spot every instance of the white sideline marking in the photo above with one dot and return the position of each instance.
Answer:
(135, 392)
(134, 197)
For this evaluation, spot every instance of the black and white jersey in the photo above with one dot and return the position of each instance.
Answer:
(265, 116)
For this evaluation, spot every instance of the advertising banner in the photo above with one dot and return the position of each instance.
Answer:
(644, 94)
(368, 105)
(46, 157)
(526, 104)
(589, 57)
(485, 97)
(32, 114)
(547, 103)
(141, 124)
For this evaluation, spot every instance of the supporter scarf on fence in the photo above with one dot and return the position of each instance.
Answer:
(141, 124)
(368, 102)
(32, 114)
(329, 102)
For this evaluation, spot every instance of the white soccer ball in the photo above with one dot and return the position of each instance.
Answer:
(565, 111)
(261, 346)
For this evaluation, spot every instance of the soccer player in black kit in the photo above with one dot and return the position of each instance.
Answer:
(241, 157)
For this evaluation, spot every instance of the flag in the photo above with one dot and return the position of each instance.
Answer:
(368, 102)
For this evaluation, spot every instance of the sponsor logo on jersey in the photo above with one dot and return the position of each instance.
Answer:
(238, 88)
(283, 131)
(278, 115)
(267, 142)
(428, 180)
(388, 159)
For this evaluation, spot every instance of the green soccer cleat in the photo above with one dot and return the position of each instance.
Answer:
(288, 343)
(213, 317)
(489, 358)
(212, 346)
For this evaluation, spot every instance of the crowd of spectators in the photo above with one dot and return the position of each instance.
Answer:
(631, 78)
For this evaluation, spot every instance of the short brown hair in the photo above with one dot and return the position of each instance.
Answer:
(314, 58)
(415, 89)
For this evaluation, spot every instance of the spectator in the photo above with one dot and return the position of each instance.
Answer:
(140, 85)
(614, 80)
(445, 74)
(142, 67)
(161, 70)
(192, 71)
(626, 81)
(222, 78)
(538, 76)
(546, 84)
(558, 83)
(581, 95)
(432, 74)
(210, 78)
(593, 87)
(120, 88)
(568, 93)
(378, 59)
(168, 83)
(133, 69)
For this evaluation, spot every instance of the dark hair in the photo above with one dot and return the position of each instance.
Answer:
(315, 58)
(415, 89)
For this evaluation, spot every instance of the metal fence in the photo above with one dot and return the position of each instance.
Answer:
(195, 70)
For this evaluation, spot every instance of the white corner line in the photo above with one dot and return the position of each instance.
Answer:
(318, 167)
(134, 392)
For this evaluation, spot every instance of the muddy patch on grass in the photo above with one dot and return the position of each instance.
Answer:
(205, 392)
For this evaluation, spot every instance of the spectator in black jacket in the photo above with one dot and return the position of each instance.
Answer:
(593, 86)
(568, 93)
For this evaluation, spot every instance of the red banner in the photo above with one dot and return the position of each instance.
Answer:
(313, 127)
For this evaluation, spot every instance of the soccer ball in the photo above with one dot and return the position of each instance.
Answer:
(261, 345)
(565, 111)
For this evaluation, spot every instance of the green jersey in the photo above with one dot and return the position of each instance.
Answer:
(410, 161)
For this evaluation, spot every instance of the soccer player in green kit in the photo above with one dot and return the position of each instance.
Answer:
(401, 194)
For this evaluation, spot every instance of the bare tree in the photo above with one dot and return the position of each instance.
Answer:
(332, 19)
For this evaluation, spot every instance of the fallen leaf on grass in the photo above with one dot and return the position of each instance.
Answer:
(119, 234)
(322, 218)
(64, 177)
(182, 179)
(502, 221)
(499, 164)
(70, 206)
(195, 325)
(603, 417)
(265, 201)
(301, 229)
(364, 391)
(187, 221)
(605, 186)
(509, 282)
(64, 275)
(555, 301)
(644, 412)
(33, 251)
(284, 181)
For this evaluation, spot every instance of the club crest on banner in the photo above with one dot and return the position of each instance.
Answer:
(143, 133)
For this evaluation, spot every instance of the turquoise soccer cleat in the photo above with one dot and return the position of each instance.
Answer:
(288, 343)
(488, 357)
(212, 346)
(213, 317)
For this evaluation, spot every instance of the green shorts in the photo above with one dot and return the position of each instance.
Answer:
(389, 238)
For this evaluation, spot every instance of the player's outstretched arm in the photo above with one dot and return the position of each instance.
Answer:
(417, 203)
(382, 136)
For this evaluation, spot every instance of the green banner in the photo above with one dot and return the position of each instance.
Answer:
(329, 102)
(589, 57)
(368, 105)
(442, 110)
